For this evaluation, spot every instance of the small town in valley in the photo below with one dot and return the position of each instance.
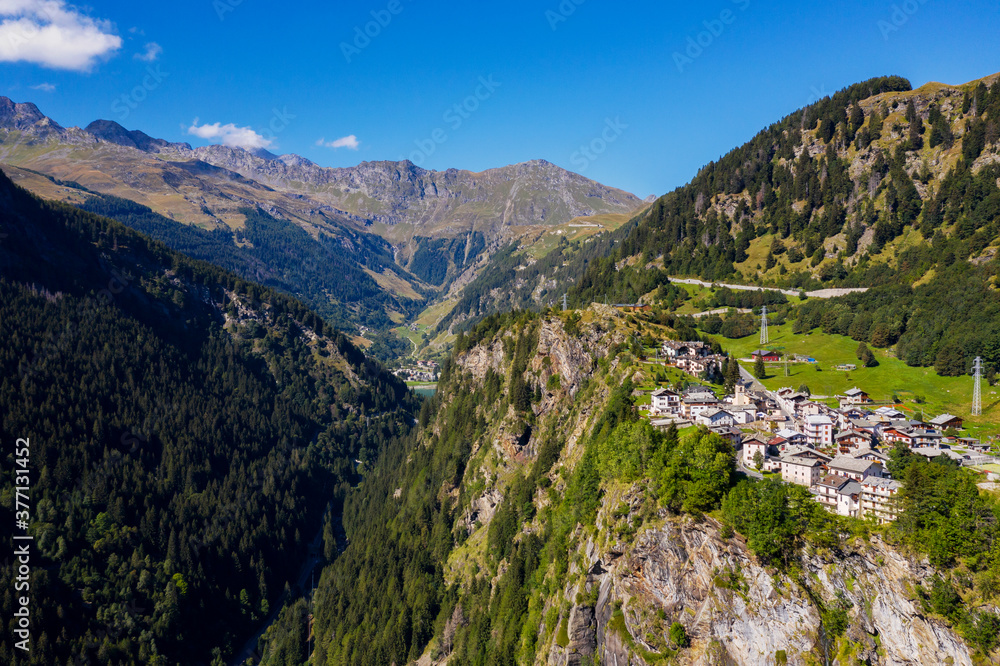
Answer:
(841, 453)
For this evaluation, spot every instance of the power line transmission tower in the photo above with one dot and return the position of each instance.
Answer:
(763, 325)
(977, 394)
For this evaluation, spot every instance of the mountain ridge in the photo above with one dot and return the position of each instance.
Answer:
(424, 216)
(827, 196)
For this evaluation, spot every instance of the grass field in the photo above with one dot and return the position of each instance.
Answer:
(697, 303)
(919, 389)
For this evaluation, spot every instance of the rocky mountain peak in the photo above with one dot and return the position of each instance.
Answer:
(23, 116)
(112, 132)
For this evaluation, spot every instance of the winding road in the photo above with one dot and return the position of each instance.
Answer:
(819, 293)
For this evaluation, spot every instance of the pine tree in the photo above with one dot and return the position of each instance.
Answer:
(732, 374)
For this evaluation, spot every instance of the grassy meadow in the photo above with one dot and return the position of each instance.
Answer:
(917, 389)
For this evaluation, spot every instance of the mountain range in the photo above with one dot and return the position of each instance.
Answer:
(198, 436)
(427, 228)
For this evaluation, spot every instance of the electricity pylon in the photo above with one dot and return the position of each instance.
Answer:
(977, 394)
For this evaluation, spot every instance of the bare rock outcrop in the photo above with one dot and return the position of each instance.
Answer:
(738, 612)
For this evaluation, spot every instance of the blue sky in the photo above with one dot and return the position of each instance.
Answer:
(634, 95)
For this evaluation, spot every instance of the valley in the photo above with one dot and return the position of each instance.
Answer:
(286, 413)
(407, 238)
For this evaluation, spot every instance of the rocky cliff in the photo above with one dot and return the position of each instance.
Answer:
(738, 612)
(641, 569)
(439, 202)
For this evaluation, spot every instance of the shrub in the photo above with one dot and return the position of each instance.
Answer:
(678, 635)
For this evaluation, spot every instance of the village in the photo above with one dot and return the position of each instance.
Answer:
(422, 372)
(840, 453)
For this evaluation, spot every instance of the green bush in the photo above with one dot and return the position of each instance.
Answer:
(678, 635)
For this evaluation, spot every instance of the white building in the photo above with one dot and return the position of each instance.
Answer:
(665, 401)
(855, 396)
(801, 469)
(714, 417)
(819, 430)
(839, 494)
(878, 499)
(694, 404)
(743, 414)
(753, 445)
(855, 468)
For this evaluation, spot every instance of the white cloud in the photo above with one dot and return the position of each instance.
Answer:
(153, 51)
(350, 142)
(44, 87)
(230, 135)
(53, 34)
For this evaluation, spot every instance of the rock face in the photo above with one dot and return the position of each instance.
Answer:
(112, 132)
(639, 570)
(427, 217)
(737, 612)
(445, 203)
(535, 192)
(25, 117)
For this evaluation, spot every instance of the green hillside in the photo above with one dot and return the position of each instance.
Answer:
(189, 433)
(876, 186)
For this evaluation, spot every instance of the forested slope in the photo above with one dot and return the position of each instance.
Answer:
(327, 272)
(535, 518)
(876, 186)
(188, 430)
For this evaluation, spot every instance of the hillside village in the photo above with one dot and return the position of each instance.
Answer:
(841, 454)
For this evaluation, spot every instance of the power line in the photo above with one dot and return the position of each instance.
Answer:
(977, 394)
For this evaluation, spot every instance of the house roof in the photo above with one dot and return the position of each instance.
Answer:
(754, 439)
(701, 398)
(709, 413)
(788, 433)
(849, 464)
(851, 488)
(801, 461)
(935, 452)
(879, 482)
(889, 411)
(943, 419)
(805, 451)
(851, 393)
(834, 481)
(862, 423)
(818, 419)
(868, 451)
(663, 391)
